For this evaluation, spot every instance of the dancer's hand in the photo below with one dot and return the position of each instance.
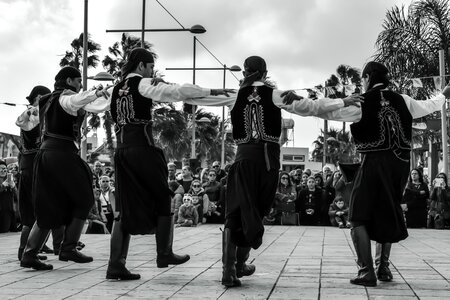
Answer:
(226, 92)
(157, 80)
(289, 97)
(353, 100)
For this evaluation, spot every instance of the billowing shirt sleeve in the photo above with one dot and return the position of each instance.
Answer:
(308, 107)
(71, 102)
(28, 119)
(170, 92)
(420, 108)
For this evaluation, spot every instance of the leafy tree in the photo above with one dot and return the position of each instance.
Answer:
(119, 52)
(344, 76)
(340, 147)
(409, 46)
(74, 58)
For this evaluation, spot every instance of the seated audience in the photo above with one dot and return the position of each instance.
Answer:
(338, 213)
(187, 215)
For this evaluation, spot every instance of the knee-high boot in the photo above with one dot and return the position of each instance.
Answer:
(36, 239)
(58, 237)
(361, 241)
(120, 241)
(243, 269)
(229, 277)
(382, 252)
(164, 242)
(23, 242)
(72, 235)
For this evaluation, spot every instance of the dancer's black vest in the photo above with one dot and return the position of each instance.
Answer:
(31, 140)
(386, 124)
(132, 113)
(254, 116)
(56, 122)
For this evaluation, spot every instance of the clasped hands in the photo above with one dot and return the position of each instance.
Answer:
(290, 96)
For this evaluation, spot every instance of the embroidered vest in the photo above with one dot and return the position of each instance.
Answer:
(386, 124)
(56, 122)
(254, 116)
(128, 106)
(31, 140)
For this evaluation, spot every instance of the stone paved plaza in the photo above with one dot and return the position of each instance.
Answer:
(293, 263)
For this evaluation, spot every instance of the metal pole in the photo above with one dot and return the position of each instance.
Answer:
(193, 106)
(83, 146)
(143, 24)
(325, 136)
(443, 113)
(222, 156)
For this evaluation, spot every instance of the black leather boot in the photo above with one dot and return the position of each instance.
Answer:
(243, 269)
(23, 242)
(68, 247)
(120, 242)
(382, 252)
(164, 241)
(229, 277)
(366, 274)
(58, 237)
(36, 239)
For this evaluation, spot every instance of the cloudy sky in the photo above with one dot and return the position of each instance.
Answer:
(303, 41)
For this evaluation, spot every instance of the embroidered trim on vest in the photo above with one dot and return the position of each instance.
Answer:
(254, 121)
(387, 117)
(125, 108)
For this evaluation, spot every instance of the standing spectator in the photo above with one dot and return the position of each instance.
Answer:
(308, 203)
(188, 215)
(213, 191)
(220, 173)
(7, 195)
(285, 197)
(415, 198)
(326, 173)
(319, 180)
(97, 172)
(338, 213)
(107, 201)
(439, 213)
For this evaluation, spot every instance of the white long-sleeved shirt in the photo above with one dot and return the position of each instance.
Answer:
(417, 108)
(71, 102)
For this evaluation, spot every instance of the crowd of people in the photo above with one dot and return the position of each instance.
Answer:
(302, 198)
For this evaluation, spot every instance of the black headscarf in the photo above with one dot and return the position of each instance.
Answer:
(63, 74)
(255, 67)
(136, 56)
(378, 73)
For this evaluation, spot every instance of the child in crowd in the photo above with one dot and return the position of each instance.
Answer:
(187, 215)
(338, 213)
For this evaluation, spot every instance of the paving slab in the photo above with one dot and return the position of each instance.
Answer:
(294, 262)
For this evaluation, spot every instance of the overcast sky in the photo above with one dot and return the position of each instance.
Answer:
(303, 41)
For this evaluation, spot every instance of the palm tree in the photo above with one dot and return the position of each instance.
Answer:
(409, 46)
(344, 76)
(74, 58)
(340, 147)
(119, 52)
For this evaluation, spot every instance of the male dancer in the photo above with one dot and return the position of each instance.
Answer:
(30, 142)
(382, 131)
(252, 179)
(143, 195)
(61, 198)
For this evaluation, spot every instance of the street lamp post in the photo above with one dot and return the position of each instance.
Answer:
(233, 68)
